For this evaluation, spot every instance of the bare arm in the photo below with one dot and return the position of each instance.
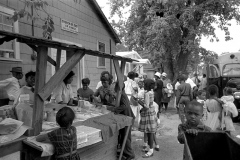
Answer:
(42, 137)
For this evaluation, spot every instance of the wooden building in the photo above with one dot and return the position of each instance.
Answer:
(89, 29)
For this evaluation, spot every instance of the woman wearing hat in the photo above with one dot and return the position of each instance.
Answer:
(11, 85)
(166, 90)
(158, 91)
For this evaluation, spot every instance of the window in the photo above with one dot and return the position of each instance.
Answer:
(101, 61)
(8, 50)
(213, 72)
(231, 70)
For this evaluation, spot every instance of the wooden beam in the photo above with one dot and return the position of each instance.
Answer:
(120, 77)
(41, 69)
(35, 48)
(58, 77)
(50, 60)
(58, 59)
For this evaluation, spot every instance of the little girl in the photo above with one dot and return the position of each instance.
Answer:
(229, 110)
(148, 122)
(214, 108)
(64, 138)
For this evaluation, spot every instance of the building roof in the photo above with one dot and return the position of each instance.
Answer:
(36, 41)
(142, 61)
(129, 54)
(105, 21)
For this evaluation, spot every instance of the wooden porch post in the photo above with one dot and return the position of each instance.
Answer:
(41, 67)
(58, 60)
(119, 72)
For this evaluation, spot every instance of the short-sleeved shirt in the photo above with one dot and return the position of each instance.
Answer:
(184, 89)
(63, 93)
(12, 87)
(86, 94)
(129, 87)
(62, 140)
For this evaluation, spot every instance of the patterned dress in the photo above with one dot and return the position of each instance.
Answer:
(62, 140)
(148, 122)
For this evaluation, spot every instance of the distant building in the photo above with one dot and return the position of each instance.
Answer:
(137, 67)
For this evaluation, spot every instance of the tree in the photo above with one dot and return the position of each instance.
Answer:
(170, 31)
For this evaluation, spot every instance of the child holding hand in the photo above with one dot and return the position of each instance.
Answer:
(148, 123)
(64, 139)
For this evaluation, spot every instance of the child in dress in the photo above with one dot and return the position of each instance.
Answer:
(148, 123)
(214, 109)
(201, 98)
(64, 138)
(229, 110)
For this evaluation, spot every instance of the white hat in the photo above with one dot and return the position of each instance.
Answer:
(158, 74)
(164, 74)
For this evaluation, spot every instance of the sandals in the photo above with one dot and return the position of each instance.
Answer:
(147, 155)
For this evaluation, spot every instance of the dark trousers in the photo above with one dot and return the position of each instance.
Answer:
(128, 151)
(182, 102)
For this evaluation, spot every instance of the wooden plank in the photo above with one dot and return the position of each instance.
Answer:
(58, 59)
(50, 60)
(58, 77)
(35, 48)
(12, 146)
(41, 69)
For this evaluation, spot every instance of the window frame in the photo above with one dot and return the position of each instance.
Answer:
(101, 57)
(15, 30)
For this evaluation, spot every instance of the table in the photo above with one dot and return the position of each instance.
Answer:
(109, 125)
(11, 147)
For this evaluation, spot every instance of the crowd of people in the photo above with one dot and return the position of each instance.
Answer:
(143, 99)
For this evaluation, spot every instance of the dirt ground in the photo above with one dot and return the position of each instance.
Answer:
(170, 149)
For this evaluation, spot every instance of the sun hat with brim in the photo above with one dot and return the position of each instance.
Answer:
(164, 74)
(158, 74)
(16, 69)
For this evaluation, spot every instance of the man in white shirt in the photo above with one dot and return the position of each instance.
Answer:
(11, 85)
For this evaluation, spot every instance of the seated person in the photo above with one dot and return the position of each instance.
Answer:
(85, 93)
(63, 94)
(106, 92)
(23, 111)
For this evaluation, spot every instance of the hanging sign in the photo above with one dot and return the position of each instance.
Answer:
(69, 26)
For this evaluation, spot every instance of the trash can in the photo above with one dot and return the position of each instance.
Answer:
(211, 146)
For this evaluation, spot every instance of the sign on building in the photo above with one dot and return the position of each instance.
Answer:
(69, 26)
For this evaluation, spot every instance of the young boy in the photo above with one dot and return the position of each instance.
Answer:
(125, 109)
(193, 112)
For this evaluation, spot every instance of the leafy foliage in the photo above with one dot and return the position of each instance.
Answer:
(169, 31)
(37, 6)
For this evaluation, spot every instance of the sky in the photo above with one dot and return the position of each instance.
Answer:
(218, 47)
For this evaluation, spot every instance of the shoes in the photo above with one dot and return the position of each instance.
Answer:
(145, 149)
(157, 149)
(147, 155)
